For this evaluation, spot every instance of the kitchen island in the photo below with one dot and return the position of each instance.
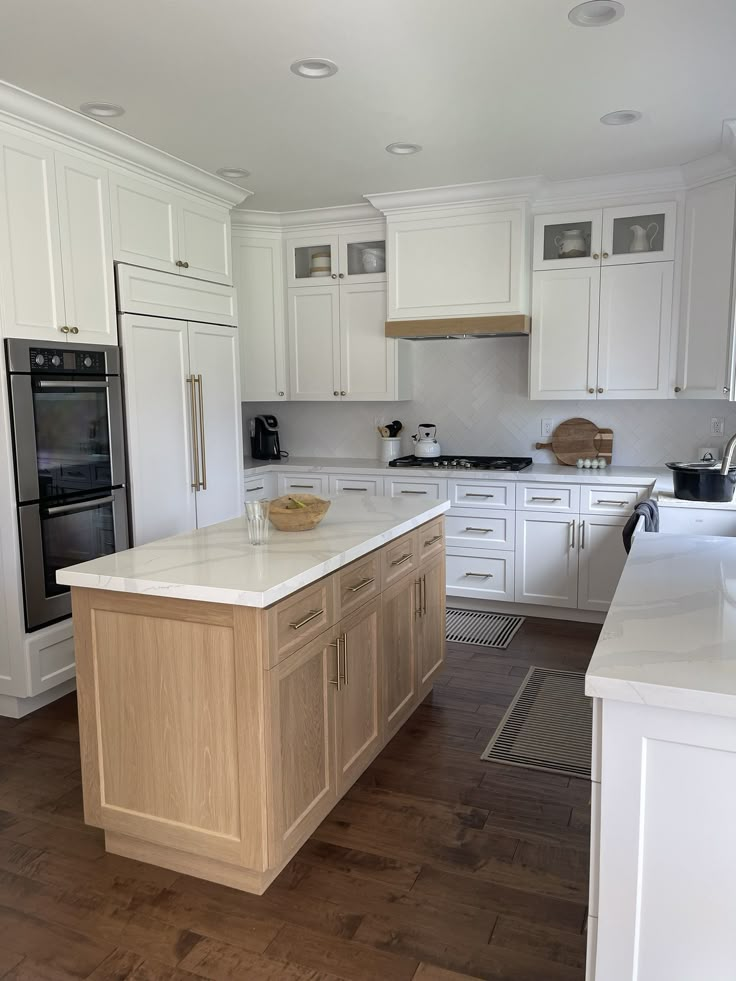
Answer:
(230, 694)
(663, 680)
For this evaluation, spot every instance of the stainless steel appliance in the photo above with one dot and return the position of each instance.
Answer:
(67, 419)
(465, 462)
(264, 438)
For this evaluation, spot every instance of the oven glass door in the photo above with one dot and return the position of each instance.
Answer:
(54, 537)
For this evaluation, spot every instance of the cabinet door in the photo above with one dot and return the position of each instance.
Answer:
(564, 340)
(358, 730)
(159, 411)
(31, 289)
(204, 241)
(363, 256)
(312, 261)
(144, 223)
(567, 241)
(258, 275)
(302, 725)
(431, 644)
(704, 349)
(400, 612)
(458, 265)
(635, 331)
(213, 360)
(367, 356)
(314, 343)
(602, 560)
(86, 250)
(633, 235)
(546, 559)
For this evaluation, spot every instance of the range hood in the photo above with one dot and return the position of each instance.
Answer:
(501, 325)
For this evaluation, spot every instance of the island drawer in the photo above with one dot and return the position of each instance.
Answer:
(480, 529)
(548, 497)
(611, 498)
(482, 494)
(431, 538)
(357, 583)
(299, 618)
(399, 557)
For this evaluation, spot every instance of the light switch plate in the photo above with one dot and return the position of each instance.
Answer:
(547, 426)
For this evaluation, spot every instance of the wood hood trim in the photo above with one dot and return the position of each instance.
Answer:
(501, 325)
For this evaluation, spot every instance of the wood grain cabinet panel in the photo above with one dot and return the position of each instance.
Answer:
(431, 645)
(358, 583)
(400, 557)
(301, 617)
(400, 606)
(431, 538)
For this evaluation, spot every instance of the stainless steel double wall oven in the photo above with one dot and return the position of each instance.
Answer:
(67, 419)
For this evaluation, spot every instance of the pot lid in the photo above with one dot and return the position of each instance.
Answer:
(700, 466)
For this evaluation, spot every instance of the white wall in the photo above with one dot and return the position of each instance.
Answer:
(475, 391)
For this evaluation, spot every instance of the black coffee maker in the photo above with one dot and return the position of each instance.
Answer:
(264, 438)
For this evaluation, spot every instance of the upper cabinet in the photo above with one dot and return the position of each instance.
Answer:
(602, 303)
(318, 258)
(155, 227)
(705, 363)
(461, 262)
(56, 272)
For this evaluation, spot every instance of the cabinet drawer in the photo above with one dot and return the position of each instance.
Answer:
(548, 497)
(480, 529)
(307, 484)
(258, 488)
(611, 499)
(480, 575)
(356, 583)
(416, 488)
(474, 494)
(431, 538)
(298, 619)
(356, 486)
(398, 558)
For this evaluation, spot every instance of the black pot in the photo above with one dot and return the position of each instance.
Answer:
(702, 482)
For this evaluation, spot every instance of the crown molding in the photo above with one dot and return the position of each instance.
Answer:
(705, 170)
(480, 192)
(344, 214)
(20, 107)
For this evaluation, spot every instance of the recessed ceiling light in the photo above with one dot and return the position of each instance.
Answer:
(233, 173)
(314, 68)
(401, 149)
(596, 13)
(621, 117)
(102, 110)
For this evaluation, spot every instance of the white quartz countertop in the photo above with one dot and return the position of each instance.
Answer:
(218, 565)
(669, 639)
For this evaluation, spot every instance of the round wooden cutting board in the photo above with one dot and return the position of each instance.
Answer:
(579, 438)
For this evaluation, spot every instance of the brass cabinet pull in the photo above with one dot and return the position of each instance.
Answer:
(479, 575)
(338, 678)
(64, 329)
(252, 490)
(600, 391)
(301, 486)
(620, 504)
(182, 265)
(605, 255)
(195, 440)
(424, 596)
(582, 534)
(364, 489)
(335, 394)
(572, 534)
(591, 391)
(361, 585)
(413, 492)
(345, 677)
(418, 610)
(343, 393)
(548, 500)
(596, 255)
(677, 388)
(74, 330)
(198, 380)
(432, 541)
(469, 494)
(482, 531)
(402, 559)
(311, 615)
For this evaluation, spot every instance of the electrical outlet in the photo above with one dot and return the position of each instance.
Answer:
(717, 427)
(547, 426)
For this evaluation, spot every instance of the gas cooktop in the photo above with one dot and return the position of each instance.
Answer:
(465, 462)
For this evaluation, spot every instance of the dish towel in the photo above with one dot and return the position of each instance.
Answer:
(647, 510)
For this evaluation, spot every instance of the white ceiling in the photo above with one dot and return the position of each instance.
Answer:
(490, 88)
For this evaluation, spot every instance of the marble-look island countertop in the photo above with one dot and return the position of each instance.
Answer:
(218, 564)
(669, 639)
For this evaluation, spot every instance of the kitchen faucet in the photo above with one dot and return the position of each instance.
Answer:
(728, 455)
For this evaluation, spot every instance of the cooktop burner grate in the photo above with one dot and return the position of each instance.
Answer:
(464, 462)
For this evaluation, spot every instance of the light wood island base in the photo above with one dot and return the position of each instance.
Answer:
(216, 738)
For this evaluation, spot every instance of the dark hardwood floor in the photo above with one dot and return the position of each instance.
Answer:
(435, 867)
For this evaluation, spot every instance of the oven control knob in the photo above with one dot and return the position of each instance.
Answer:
(39, 359)
(56, 361)
(87, 362)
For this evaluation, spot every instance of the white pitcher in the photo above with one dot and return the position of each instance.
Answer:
(641, 240)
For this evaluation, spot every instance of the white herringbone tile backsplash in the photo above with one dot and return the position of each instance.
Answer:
(475, 391)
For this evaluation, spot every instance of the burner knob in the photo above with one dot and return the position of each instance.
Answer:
(87, 362)
(39, 360)
(435, 464)
(466, 465)
(56, 361)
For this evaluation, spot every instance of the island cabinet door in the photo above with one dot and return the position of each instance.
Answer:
(358, 728)
(302, 736)
(430, 640)
(400, 611)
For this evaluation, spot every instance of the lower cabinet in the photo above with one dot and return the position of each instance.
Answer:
(400, 608)
(430, 623)
(477, 574)
(602, 559)
(546, 559)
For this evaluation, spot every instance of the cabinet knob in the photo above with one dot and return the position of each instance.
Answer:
(343, 393)
(185, 265)
(281, 394)
(335, 394)
(677, 388)
(596, 255)
(726, 389)
(74, 330)
(341, 276)
(334, 275)
(600, 391)
(591, 391)
(64, 329)
(179, 262)
(605, 255)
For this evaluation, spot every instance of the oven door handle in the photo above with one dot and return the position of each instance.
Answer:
(45, 383)
(81, 506)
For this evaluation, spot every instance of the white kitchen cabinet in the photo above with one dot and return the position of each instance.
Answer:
(555, 236)
(638, 233)
(356, 486)
(563, 362)
(546, 559)
(635, 330)
(183, 404)
(463, 262)
(314, 343)
(369, 361)
(158, 294)
(601, 560)
(154, 227)
(416, 487)
(258, 275)
(480, 529)
(476, 574)
(356, 255)
(705, 359)
(261, 488)
(303, 483)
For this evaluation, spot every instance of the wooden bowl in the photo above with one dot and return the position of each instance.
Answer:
(298, 519)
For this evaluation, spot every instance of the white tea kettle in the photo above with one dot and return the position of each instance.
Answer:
(426, 446)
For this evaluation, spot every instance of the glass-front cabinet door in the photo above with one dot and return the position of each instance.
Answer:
(642, 233)
(312, 261)
(567, 241)
(363, 255)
